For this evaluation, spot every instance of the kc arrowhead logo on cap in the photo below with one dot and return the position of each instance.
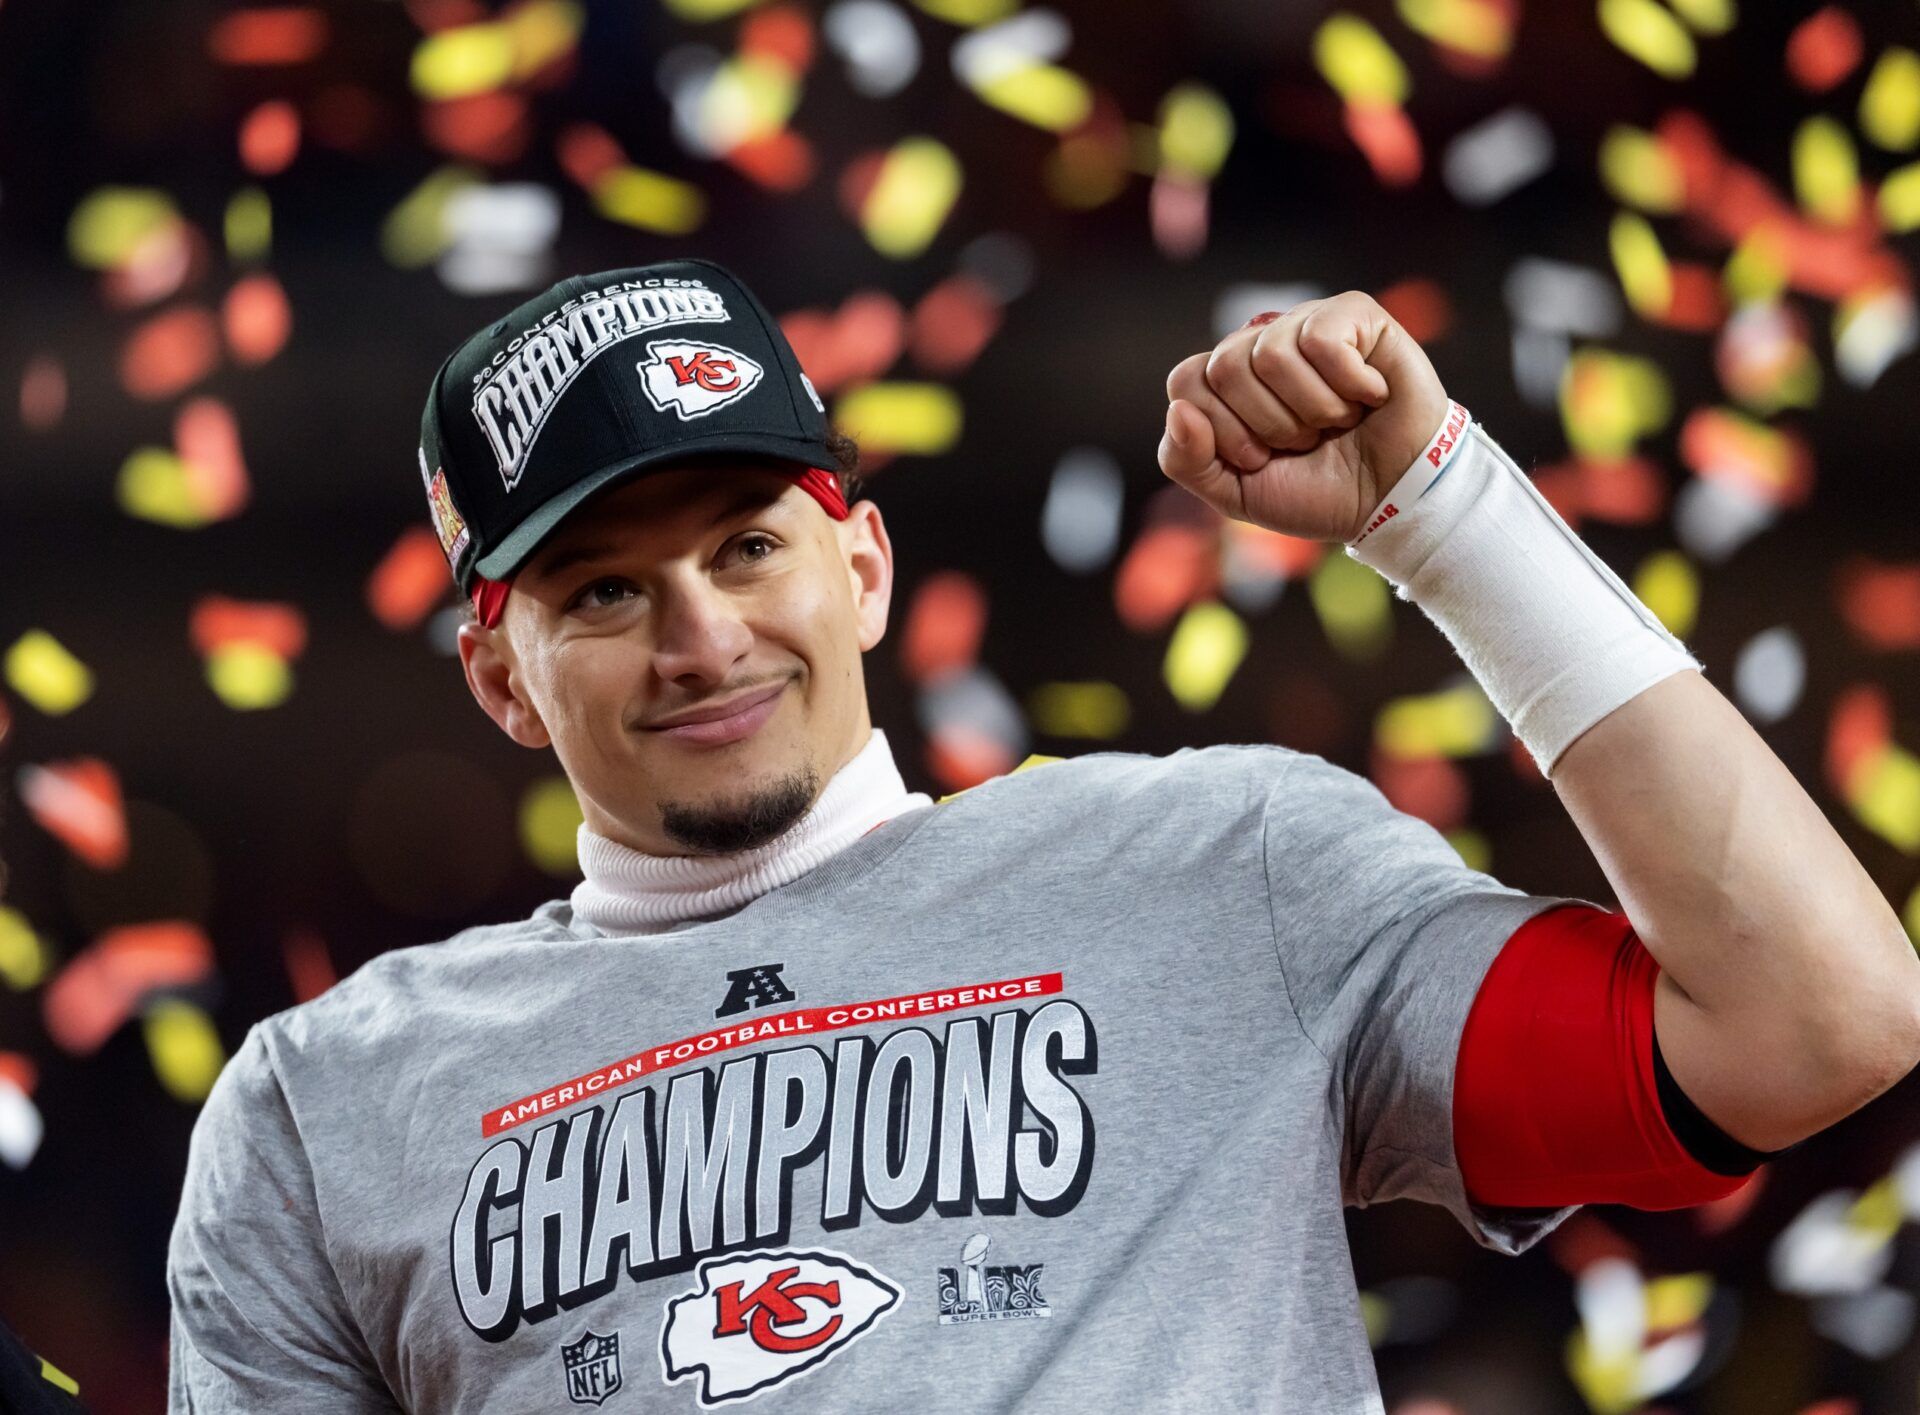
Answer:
(598, 378)
(693, 379)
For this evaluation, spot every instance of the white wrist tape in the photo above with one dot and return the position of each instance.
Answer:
(1553, 636)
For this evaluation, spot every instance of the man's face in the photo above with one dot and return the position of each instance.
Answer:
(689, 644)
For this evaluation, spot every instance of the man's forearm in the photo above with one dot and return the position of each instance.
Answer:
(1791, 995)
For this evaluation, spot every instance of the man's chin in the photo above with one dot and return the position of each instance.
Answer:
(742, 820)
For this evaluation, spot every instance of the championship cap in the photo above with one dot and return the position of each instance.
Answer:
(598, 378)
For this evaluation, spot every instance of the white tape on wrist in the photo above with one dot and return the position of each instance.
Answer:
(1552, 635)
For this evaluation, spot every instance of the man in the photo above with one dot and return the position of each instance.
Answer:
(1048, 1097)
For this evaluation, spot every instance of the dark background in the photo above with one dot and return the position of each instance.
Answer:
(261, 825)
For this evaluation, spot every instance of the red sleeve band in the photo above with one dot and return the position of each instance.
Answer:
(1556, 1097)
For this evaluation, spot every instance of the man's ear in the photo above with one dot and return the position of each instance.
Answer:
(494, 678)
(869, 557)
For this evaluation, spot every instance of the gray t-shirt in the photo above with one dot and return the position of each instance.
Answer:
(1047, 1098)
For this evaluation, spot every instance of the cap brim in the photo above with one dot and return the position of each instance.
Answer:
(525, 538)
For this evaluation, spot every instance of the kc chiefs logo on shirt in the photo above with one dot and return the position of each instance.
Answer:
(694, 378)
(757, 1319)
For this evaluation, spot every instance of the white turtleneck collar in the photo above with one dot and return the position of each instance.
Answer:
(627, 891)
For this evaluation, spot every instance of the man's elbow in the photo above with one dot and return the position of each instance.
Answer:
(1865, 1045)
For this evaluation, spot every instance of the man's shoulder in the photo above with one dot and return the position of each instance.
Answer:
(1202, 778)
(387, 993)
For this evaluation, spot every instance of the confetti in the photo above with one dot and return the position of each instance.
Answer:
(78, 803)
(40, 669)
(110, 979)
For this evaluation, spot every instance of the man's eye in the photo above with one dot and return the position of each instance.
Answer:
(755, 547)
(602, 593)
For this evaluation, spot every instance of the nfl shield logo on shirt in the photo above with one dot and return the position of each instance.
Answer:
(593, 1368)
(693, 378)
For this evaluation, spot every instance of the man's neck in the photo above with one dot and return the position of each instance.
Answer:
(629, 891)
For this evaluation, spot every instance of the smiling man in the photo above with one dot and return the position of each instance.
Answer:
(1047, 1097)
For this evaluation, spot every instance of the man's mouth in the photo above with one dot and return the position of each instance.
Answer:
(713, 724)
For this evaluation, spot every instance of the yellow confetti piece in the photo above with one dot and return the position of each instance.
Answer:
(1879, 1210)
(46, 675)
(248, 677)
(1609, 1382)
(156, 485)
(1885, 797)
(1757, 271)
(1609, 400)
(463, 60)
(651, 201)
(1667, 583)
(1826, 173)
(249, 225)
(1360, 65)
(110, 223)
(1473, 848)
(1196, 130)
(702, 10)
(1677, 1299)
(550, 821)
(1032, 761)
(186, 1051)
(1899, 198)
(23, 958)
(917, 186)
(415, 232)
(1890, 102)
(1044, 95)
(971, 13)
(1206, 649)
(1642, 266)
(541, 33)
(1471, 28)
(750, 96)
(1098, 710)
(1707, 16)
(1353, 604)
(53, 1375)
(921, 418)
(1640, 170)
(1377, 1314)
(1456, 722)
(1648, 32)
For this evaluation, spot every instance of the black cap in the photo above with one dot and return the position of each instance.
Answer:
(594, 380)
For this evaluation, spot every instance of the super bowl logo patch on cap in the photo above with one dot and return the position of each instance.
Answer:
(693, 378)
(448, 523)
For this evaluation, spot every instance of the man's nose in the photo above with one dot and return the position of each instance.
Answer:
(701, 636)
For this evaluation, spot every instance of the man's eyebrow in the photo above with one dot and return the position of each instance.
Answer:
(752, 499)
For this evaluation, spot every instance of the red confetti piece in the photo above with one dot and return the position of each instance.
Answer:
(780, 161)
(78, 803)
(1698, 303)
(1420, 307)
(409, 581)
(961, 757)
(217, 622)
(19, 1071)
(257, 318)
(1167, 569)
(268, 36)
(1432, 788)
(1880, 603)
(588, 152)
(780, 32)
(309, 966)
(270, 138)
(169, 353)
(483, 127)
(945, 624)
(1823, 49)
(1767, 463)
(856, 343)
(1858, 729)
(1626, 491)
(108, 980)
(208, 441)
(43, 393)
(857, 180)
(1387, 138)
(953, 322)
